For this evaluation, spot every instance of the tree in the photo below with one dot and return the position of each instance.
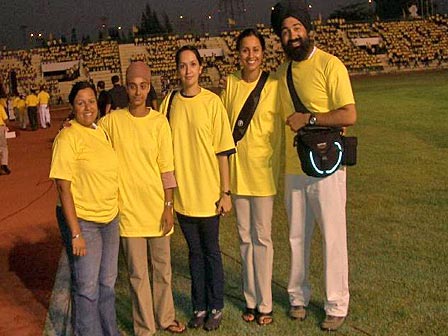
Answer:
(360, 11)
(156, 23)
(167, 23)
(391, 9)
(74, 37)
(114, 34)
(150, 23)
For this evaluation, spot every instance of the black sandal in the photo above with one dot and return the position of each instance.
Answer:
(264, 319)
(249, 315)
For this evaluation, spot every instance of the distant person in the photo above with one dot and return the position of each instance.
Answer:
(118, 95)
(254, 173)
(151, 99)
(44, 107)
(20, 106)
(10, 108)
(4, 169)
(3, 98)
(104, 101)
(32, 103)
(88, 213)
(15, 98)
(322, 83)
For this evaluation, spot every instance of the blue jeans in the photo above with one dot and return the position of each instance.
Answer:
(93, 276)
(206, 269)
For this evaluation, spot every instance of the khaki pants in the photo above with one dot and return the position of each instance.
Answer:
(152, 306)
(254, 217)
(312, 200)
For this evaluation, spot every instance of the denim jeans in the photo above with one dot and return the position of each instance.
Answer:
(93, 276)
(206, 269)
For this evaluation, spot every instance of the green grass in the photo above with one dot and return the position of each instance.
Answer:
(397, 226)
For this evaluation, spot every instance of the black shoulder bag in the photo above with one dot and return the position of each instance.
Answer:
(320, 149)
(248, 110)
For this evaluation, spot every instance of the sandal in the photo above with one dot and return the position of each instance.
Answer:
(264, 319)
(175, 328)
(249, 315)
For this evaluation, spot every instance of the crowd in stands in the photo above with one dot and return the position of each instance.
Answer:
(415, 43)
(398, 44)
(101, 56)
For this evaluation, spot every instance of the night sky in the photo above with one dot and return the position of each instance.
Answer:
(60, 16)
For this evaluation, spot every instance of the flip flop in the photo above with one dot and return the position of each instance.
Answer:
(264, 319)
(249, 315)
(175, 328)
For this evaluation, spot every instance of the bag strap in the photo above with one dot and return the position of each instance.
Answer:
(248, 109)
(170, 102)
(298, 105)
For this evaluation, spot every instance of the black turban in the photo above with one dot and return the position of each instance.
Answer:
(286, 8)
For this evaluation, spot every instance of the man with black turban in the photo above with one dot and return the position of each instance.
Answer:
(323, 85)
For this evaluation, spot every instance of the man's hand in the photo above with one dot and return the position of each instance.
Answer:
(296, 120)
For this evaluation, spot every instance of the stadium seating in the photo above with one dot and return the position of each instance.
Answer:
(384, 47)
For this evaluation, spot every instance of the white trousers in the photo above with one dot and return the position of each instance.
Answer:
(44, 115)
(312, 200)
(254, 220)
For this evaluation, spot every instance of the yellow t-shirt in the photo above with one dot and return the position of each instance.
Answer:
(322, 83)
(144, 151)
(255, 166)
(200, 130)
(20, 104)
(43, 98)
(3, 102)
(3, 116)
(15, 101)
(31, 100)
(85, 157)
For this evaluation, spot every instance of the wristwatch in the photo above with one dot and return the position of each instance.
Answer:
(228, 192)
(169, 204)
(313, 120)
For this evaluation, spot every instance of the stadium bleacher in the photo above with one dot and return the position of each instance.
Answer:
(363, 47)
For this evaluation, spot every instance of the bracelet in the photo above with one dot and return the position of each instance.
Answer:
(228, 192)
(169, 204)
(76, 236)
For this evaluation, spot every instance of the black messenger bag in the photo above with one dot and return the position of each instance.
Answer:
(321, 150)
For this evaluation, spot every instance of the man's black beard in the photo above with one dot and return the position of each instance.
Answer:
(298, 53)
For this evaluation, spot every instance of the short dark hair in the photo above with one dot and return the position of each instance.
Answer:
(78, 86)
(101, 84)
(250, 32)
(192, 49)
(115, 79)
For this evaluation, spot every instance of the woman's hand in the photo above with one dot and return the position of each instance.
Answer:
(167, 220)
(79, 246)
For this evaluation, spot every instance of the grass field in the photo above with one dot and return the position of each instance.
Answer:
(397, 226)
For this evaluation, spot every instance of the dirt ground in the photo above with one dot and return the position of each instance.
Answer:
(30, 244)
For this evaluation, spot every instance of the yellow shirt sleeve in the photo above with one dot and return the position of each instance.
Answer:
(3, 116)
